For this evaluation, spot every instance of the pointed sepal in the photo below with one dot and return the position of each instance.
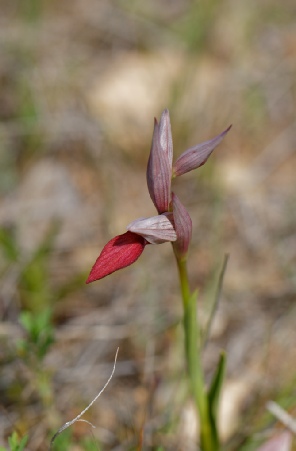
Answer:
(159, 172)
(196, 156)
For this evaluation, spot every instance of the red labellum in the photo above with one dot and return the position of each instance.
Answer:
(120, 252)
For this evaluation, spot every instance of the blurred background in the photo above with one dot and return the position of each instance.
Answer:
(80, 84)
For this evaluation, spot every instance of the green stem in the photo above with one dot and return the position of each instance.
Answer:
(208, 436)
(184, 282)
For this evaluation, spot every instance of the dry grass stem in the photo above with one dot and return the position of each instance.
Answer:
(78, 418)
(282, 416)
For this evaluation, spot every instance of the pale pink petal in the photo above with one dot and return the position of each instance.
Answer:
(156, 230)
(165, 135)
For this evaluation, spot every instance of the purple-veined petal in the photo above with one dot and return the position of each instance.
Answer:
(165, 135)
(120, 252)
(196, 156)
(159, 174)
(183, 227)
(156, 230)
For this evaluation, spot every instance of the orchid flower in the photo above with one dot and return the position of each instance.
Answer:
(123, 250)
(173, 223)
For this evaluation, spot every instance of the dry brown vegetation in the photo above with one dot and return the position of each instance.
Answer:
(80, 83)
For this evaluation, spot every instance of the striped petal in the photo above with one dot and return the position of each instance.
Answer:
(165, 135)
(156, 230)
(183, 227)
(159, 172)
(196, 156)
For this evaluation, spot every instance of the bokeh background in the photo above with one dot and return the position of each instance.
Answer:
(80, 84)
